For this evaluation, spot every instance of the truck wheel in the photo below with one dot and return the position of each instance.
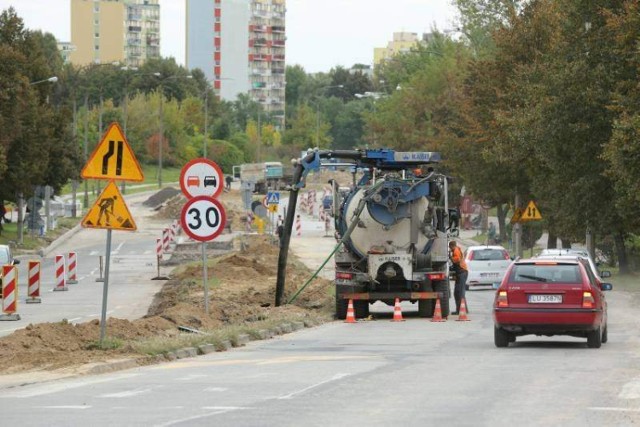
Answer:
(426, 306)
(443, 287)
(341, 307)
(361, 309)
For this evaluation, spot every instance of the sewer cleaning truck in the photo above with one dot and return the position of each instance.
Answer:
(391, 230)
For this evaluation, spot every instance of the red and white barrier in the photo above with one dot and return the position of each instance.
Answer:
(72, 268)
(33, 290)
(61, 285)
(172, 231)
(165, 240)
(9, 293)
(159, 248)
(298, 226)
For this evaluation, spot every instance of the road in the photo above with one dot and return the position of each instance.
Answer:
(133, 265)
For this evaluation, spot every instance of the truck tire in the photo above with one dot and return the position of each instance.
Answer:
(426, 306)
(442, 286)
(361, 309)
(341, 307)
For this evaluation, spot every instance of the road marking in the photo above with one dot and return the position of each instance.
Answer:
(216, 411)
(64, 407)
(631, 390)
(198, 363)
(74, 319)
(334, 378)
(95, 253)
(598, 408)
(42, 389)
(117, 249)
(215, 389)
(191, 377)
(127, 393)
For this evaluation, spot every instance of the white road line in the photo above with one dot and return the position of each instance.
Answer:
(191, 377)
(64, 407)
(216, 411)
(117, 249)
(127, 393)
(334, 378)
(218, 389)
(42, 389)
(95, 253)
(599, 408)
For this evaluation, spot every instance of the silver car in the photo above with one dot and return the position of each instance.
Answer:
(486, 265)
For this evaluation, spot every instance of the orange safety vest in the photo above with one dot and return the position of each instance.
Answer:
(457, 258)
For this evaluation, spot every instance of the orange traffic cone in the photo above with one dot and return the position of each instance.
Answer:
(397, 312)
(462, 317)
(437, 313)
(351, 316)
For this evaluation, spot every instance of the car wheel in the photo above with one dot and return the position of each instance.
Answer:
(605, 334)
(501, 338)
(594, 338)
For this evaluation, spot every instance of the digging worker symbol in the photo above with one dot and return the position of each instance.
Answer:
(106, 206)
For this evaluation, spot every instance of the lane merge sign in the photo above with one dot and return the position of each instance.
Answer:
(201, 177)
(203, 218)
(113, 158)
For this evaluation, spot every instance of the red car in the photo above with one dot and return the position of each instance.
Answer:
(550, 297)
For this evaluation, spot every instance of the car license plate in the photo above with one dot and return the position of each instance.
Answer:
(489, 274)
(545, 299)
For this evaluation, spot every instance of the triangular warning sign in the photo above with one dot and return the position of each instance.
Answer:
(531, 213)
(110, 211)
(517, 215)
(113, 158)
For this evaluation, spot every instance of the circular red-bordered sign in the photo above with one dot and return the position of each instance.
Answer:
(201, 177)
(203, 218)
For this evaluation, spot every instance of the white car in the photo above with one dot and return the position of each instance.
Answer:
(486, 264)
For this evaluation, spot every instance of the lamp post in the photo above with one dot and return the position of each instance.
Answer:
(125, 103)
(161, 118)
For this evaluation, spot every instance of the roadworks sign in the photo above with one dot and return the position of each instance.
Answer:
(110, 211)
(517, 215)
(113, 158)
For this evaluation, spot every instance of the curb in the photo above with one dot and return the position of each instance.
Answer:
(60, 240)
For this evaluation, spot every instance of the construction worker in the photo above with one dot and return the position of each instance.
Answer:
(460, 268)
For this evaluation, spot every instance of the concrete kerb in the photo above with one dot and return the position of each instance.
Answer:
(60, 240)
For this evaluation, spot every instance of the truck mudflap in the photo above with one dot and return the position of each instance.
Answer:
(376, 296)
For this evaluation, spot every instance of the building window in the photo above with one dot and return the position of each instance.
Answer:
(97, 35)
(97, 47)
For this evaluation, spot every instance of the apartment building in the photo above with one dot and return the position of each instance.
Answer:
(103, 31)
(402, 42)
(240, 46)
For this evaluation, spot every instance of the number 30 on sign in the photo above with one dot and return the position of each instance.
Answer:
(203, 218)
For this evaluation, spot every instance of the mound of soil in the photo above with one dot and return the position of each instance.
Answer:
(160, 197)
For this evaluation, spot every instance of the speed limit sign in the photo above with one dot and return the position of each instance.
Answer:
(203, 218)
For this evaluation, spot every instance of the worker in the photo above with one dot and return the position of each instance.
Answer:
(460, 268)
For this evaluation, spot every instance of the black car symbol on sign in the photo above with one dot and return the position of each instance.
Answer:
(210, 181)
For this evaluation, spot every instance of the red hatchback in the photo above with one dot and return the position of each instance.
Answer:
(545, 297)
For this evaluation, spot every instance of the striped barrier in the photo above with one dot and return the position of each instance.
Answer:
(72, 269)
(9, 293)
(172, 232)
(61, 285)
(159, 248)
(165, 240)
(33, 289)
(298, 226)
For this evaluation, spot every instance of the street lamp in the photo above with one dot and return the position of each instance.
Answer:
(50, 79)
(161, 136)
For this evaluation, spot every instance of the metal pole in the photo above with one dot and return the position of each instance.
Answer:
(205, 281)
(105, 290)
(85, 201)
(206, 116)
(160, 140)
(518, 229)
(97, 181)
(124, 119)
(74, 133)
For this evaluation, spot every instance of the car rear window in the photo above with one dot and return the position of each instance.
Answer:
(488, 255)
(548, 273)
(4, 257)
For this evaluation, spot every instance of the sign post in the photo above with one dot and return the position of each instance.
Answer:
(202, 218)
(112, 159)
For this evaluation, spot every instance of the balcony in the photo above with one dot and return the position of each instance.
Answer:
(257, 42)
(135, 29)
(277, 70)
(278, 28)
(258, 28)
(278, 57)
(278, 42)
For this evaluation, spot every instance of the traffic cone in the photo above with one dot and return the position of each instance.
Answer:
(462, 317)
(437, 313)
(351, 316)
(397, 312)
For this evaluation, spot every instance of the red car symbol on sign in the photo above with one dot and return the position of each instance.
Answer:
(193, 181)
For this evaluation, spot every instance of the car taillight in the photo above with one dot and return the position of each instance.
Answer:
(436, 276)
(587, 300)
(347, 276)
(470, 256)
(502, 300)
(505, 254)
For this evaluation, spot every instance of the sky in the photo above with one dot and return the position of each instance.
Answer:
(321, 34)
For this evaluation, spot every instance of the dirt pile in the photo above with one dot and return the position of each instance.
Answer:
(241, 291)
(160, 197)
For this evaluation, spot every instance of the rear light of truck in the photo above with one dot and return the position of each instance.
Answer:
(436, 276)
(502, 300)
(587, 300)
(346, 276)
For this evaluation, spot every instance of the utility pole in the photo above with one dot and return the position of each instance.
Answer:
(161, 138)
(85, 201)
(518, 230)
(206, 117)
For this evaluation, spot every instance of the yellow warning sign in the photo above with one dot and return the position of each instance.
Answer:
(113, 158)
(110, 211)
(531, 213)
(517, 215)
(273, 208)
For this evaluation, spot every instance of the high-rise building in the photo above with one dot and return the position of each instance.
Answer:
(103, 31)
(240, 46)
(402, 42)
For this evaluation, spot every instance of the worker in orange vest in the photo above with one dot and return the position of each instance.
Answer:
(461, 270)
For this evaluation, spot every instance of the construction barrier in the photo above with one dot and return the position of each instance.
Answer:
(159, 248)
(397, 312)
(61, 285)
(298, 226)
(172, 232)
(462, 317)
(72, 268)
(165, 240)
(33, 289)
(351, 316)
(9, 293)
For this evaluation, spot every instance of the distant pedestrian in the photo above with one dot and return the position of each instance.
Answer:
(280, 221)
(460, 268)
(228, 179)
(491, 234)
